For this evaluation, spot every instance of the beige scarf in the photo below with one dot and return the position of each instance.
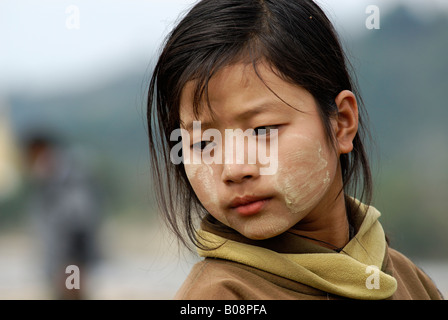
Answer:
(354, 273)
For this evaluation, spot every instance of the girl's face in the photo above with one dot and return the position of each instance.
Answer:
(307, 179)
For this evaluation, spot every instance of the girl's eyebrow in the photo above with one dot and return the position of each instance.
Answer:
(268, 106)
(204, 125)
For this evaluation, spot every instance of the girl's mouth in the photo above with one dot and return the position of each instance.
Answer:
(249, 205)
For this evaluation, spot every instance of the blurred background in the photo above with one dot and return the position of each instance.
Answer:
(73, 83)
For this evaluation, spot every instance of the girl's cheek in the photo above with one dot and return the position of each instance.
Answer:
(201, 177)
(304, 175)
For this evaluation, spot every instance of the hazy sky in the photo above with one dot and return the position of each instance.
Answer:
(40, 52)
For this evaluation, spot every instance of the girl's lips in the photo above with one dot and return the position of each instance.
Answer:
(251, 208)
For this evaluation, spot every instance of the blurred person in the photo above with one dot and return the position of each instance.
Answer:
(9, 159)
(65, 208)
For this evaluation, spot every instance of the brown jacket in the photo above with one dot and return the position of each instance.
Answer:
(247, 269)
(218, 279)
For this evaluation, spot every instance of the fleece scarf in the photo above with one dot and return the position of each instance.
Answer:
(354, 273)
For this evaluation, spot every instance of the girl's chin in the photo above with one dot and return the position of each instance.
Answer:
(262, 231)
(263, 225)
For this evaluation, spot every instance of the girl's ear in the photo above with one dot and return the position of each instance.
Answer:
(346, 121)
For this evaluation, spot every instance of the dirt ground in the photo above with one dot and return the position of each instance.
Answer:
(137, 261)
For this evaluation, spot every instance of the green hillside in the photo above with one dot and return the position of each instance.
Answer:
(403, 75)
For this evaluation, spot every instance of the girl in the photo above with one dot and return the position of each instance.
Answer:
(305, 230)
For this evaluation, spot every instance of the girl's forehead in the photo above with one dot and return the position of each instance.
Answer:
(239, 93)
(237, 74)
(236, 86)
(220, 88)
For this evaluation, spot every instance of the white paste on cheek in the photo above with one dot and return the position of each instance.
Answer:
(201, 177)
(303, 176)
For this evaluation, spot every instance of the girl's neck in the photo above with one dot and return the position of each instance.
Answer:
(326, 225)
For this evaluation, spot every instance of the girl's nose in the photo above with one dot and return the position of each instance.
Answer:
(237, 173)
(240, 158)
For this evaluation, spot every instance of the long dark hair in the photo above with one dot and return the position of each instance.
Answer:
(293, 36)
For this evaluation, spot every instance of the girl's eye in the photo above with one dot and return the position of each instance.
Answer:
(201, 145)
(264, 130)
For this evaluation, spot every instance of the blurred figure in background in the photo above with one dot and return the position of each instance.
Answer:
(9, 156)
(65, 207)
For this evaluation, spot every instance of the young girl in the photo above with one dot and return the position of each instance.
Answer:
(276, 71)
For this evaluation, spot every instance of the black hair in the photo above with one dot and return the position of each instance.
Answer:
(294, 37)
